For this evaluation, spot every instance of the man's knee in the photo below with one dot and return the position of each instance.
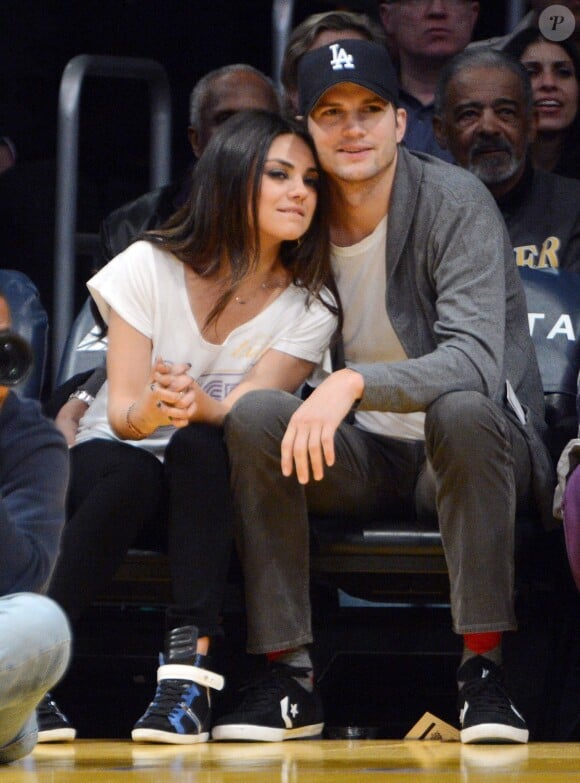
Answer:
(50, 630)
(459, 420)
(49, 615)
(461, 410)
(34, 612)
(40, 637)
(259, 412)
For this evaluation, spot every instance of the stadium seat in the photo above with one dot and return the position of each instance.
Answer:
(84, 349)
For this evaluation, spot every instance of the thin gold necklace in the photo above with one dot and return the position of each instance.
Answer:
(265, 286)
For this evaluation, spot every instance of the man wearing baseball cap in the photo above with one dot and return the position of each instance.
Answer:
(443, 388)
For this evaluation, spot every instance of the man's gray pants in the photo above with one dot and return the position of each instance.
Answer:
(476, 473)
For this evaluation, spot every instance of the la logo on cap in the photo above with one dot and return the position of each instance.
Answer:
(340, 58)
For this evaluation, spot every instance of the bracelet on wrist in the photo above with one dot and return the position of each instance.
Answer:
(83, 396)
(134, 430)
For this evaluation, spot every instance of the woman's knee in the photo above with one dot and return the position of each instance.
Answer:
(194, 440)
(101, 459)
(107, 480)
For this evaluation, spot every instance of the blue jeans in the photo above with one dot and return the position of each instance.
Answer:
(35, 645)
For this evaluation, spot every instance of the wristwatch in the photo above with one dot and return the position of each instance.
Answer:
(83, 396)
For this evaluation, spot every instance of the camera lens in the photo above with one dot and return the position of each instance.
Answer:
(15, 358)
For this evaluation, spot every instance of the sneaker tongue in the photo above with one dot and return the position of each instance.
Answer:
(476, 669)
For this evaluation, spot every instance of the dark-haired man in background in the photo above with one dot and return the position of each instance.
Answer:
(426, 34)
(214, 98)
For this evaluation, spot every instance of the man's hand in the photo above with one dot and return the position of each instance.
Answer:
(309, 439)
(68, 418)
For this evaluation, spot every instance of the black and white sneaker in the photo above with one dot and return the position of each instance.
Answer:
(486, 712)
(275, 707)
(53, 725)
(180, 713)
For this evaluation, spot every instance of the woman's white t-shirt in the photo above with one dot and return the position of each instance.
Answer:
(146, 287)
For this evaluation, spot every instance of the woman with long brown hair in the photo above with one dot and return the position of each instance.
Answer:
(231, 295)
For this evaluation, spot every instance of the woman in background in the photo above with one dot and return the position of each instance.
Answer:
(554, 69)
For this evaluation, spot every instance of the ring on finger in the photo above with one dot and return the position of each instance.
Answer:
(153, 386)
(159, 403)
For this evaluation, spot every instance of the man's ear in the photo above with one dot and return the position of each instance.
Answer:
(193, 137)
(385, 13)
(401, 120)
(438, 129)
(475, 6)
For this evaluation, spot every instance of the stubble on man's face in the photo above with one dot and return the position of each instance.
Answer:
(356, 133)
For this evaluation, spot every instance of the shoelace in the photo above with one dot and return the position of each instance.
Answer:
(48, 708)
(167, 697)
(266, 687)
(487, 691)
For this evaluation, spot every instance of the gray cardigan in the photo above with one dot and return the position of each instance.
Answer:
(456, 302)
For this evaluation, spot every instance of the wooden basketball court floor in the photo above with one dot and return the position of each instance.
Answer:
(324, 761)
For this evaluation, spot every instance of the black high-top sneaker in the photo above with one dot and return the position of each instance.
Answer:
(275, 707)
(486, 712)
(53, 725)
(180, 712)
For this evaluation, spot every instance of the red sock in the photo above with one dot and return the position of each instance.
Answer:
(276, 655)
(480, 643)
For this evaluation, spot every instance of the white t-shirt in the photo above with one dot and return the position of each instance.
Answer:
(146, 287)
(368, 333)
